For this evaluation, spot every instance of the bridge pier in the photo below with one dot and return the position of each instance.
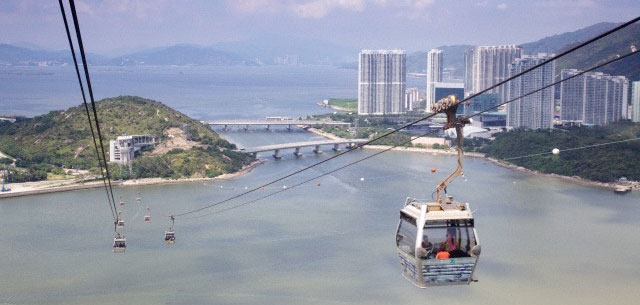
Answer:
(225, 128)
(297, 152)
(289, 127)
(254, 155)
(246, 127)
(336, 147)
(317, 150)
(267, 127)
(276, 154)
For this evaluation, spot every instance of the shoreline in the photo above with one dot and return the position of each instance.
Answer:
(574, 179)
(427, 150)
(335, 107)
(46, 187)
(331, 136)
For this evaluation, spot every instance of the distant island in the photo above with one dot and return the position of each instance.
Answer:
(58, 145)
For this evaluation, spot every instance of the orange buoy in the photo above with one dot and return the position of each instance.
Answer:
(318, 184)
(433, 170)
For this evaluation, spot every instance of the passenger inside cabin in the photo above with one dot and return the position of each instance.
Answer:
(450, 243)
(443, 254)
(421, 253)
(426, 243)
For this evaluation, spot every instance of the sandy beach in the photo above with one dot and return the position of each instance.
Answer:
(44, 187)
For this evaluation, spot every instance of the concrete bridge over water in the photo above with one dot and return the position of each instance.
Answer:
(349, 144)
(268, 123)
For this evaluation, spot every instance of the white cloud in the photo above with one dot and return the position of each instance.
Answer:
(421, 4)
(320, 8)
(251, 6)
(567, 4)
(502, 6)
(146, 10)
(482, 3)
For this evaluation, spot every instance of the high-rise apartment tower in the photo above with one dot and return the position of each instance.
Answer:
(489, 66)
(382, 79)
(635, 101)
(593, 98)
(534, 111)
(434, 75)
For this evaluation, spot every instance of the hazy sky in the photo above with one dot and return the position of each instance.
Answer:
(112, 25)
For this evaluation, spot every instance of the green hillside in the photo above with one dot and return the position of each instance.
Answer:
(345, 103)
(63, 139)
(604, 163)
(552, 44)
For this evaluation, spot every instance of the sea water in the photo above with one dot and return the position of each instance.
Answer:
(331, 241)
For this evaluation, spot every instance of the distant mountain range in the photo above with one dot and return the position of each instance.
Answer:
(618, 43)
(591, 55)
(267, 50)
(453, 57)
(553, 44)
(282, 50)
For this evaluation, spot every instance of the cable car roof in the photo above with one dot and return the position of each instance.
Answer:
(435, 211)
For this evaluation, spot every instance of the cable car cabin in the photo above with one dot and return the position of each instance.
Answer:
(147, 218)
(119, 244)
(169, 237)
(120, 223)
(437, 243)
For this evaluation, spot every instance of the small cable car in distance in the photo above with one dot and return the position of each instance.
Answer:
(147, 217)
(120, 220)
(119, 243)
(169, 235)
(436, 241)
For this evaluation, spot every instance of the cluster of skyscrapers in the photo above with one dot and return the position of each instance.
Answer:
(590, 99)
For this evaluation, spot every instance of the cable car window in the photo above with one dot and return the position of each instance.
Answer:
(406, 236)
(453, 236)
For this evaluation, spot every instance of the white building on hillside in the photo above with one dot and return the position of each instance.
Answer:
(123, 148)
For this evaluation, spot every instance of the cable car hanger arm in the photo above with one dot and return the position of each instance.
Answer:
(449, 105)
